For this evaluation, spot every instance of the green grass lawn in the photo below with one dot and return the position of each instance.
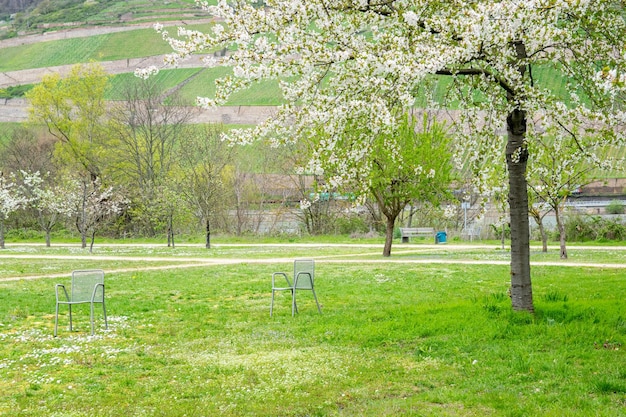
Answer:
(395, 337)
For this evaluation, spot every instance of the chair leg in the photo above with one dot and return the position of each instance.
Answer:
(91, 317)
(318, 304)
(104, 311)
(272, 304)
(70, 307)
(294, 307)
(56, 321)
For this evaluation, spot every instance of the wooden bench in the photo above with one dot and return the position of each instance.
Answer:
(409, 232)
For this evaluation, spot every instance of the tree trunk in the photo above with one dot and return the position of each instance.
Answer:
(83, 239)
(542, 229)
(81, 226)
(170, 231)
(47, 238)
(411, 212)
(561, 227)
(516, 160)
(544, 237)
(208, 234)
(93, 238)
(391, 221)
(2, 234)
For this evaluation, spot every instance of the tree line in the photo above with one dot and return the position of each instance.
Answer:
(137, 168)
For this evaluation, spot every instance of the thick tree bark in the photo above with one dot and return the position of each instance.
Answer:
(516, 160)
(2, 234)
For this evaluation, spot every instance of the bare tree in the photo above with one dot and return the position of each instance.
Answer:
(27, 149)
(203, 161)
(146, 128)
(92, 205)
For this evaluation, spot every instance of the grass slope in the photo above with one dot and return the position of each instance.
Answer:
(107, 47)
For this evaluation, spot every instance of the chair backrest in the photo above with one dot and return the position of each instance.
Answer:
(83, 284)
(304, 273)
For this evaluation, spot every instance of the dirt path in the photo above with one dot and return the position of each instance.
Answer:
(55, 35)
(189, 262)
(35, 75)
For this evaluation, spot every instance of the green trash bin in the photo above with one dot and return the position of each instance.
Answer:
(441, 237)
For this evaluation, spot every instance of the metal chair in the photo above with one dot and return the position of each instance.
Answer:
(87, 288)
(303, 279)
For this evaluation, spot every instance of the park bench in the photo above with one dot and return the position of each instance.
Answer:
(408, 232)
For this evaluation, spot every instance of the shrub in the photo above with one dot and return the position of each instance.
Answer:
(615, 207)
(584, 228)
(352, 223)
(612, 229)
(578, 228)
(15, 91)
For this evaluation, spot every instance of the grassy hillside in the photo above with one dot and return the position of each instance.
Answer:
(201, 82)
(106, 47)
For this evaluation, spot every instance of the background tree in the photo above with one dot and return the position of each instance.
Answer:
(203, 161)
(538, 210)
(11, 200)
(404, 165)
(28, 149)
(145, 129)
(558, 168)
(48, 200)
(378, 54)
(92, 205)
(169, 209)
(73, 110)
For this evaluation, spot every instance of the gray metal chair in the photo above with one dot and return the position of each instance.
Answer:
(87, 288)
(303, 280)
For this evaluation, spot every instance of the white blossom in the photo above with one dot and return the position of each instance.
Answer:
(383, 55)
(305, 204)
(144, 73)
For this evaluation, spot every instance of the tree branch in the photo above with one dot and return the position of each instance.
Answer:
(475, 71)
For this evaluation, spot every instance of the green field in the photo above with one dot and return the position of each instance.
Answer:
(396, 337)
(108, 47)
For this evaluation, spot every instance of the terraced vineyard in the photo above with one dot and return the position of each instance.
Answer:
(55, 15)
